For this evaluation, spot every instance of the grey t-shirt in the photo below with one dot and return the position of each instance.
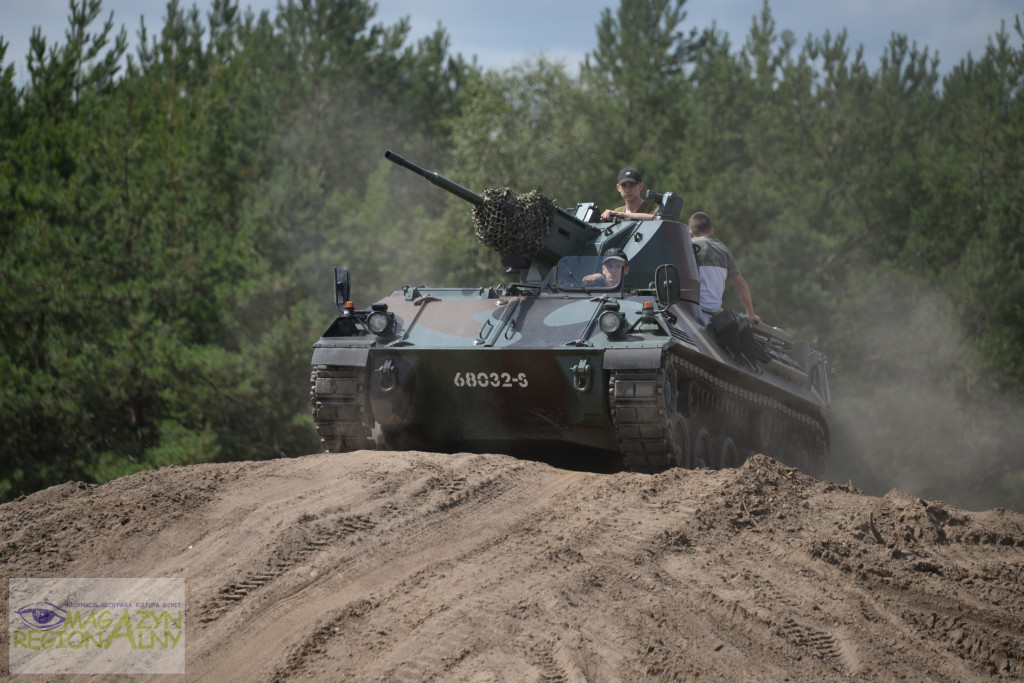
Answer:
(715, 265)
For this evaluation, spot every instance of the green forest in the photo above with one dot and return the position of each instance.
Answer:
(170, 218)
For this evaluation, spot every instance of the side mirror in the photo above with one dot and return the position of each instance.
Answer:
(342, 287)
(666, 284)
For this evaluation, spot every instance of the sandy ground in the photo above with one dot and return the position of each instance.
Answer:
(418, 566)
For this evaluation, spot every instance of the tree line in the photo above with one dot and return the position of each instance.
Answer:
(170, 218)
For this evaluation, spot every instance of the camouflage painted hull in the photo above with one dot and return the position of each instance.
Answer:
(481, 370)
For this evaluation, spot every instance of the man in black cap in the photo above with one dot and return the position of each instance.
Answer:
(614, 267)
(631, 187)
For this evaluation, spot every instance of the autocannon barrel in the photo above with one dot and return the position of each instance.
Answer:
(437, 179)
(527, 224)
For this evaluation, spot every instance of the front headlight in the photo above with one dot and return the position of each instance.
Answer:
(379, 322)
(610, 322)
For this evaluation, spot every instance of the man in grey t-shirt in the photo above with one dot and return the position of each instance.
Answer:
(716, 265)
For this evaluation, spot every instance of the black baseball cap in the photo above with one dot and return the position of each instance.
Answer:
(629, 174)
(614, 252)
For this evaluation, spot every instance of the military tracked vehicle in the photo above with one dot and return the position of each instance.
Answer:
(570, 356)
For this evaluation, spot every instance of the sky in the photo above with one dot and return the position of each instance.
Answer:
(501, 33)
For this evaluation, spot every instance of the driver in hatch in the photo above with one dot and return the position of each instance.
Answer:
(614, 266)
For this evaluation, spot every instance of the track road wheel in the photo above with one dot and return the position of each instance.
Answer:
(800, 458)
(688, 400)
(761, 431)
(812, 460)
(702, 450)
(726, 454)
(818, 460)
(678, 442)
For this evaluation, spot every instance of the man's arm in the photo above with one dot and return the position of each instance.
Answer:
(631, 215)
(744, 290)
(650, 205)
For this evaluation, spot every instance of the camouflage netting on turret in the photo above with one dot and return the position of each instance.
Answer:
(513, 224)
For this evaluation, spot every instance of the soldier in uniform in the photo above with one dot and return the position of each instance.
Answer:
(631, 187)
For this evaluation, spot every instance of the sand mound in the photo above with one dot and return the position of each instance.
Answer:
(420, 566)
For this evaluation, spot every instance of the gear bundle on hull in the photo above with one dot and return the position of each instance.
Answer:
(513, 224)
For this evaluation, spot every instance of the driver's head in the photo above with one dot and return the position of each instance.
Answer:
(614, 265)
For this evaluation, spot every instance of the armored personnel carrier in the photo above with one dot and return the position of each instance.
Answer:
(574, 355)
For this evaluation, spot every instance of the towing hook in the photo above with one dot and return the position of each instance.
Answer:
(387, 375)
(581, 375)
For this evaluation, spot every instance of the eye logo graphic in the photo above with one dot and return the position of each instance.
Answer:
(42, 616)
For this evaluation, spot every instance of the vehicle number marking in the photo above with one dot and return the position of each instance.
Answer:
(490, 379)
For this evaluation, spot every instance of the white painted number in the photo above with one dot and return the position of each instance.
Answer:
(490, 379)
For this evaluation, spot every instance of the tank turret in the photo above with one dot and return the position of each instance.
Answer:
(524, 229)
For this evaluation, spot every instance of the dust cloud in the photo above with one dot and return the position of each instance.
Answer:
(910, 410)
